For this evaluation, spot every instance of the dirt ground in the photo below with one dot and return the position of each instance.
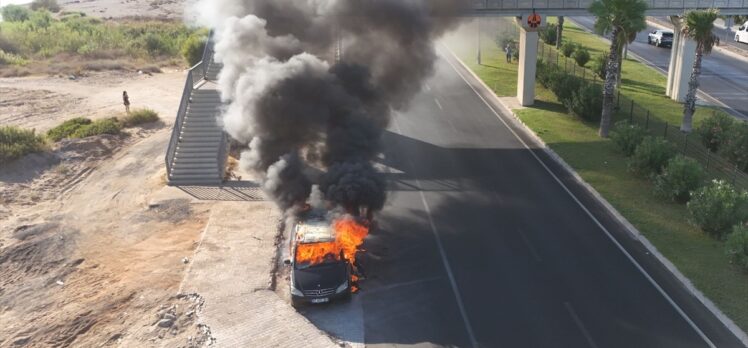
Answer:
(127, 8)
(44, 102)
(92, 252)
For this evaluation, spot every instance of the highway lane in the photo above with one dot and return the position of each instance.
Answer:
(723, 77)
(727, 37)
(479, 245)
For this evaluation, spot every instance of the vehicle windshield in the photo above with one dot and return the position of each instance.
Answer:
(315, 254)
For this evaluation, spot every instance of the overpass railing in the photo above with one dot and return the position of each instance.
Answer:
(579, 7)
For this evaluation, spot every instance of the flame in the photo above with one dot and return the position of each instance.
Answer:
(349, 235)
(317, 252)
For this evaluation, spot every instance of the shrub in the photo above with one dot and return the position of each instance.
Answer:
(11, 59)
(587, 102)
(564, 85)
(193, 47)
(736, 247)
(568, 48)
(627, 136)
(651, 156)
(735, 146)
(67, 128)
(681, 176)
(600, 65)
(717, 207)
(49, 5)
(139, 116)
(546, 72)
(7, 46)
(582, 56)
(15, 13)
(548, 34)
(16, 142)
(98, 127)
(714, 130)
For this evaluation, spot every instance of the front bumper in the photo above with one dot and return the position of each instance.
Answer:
(320, 299)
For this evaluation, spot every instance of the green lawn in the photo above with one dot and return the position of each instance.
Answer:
(697, 256)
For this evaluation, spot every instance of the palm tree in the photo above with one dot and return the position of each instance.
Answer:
(698, 26)
(622, 19)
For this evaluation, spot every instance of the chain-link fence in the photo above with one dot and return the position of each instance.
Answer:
(688, 144)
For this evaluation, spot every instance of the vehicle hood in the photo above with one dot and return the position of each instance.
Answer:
(321, 277)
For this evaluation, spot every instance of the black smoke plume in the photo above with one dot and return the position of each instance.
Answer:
(299, 100)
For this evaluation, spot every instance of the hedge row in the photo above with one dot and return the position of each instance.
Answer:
(717, 208)
(582, 98)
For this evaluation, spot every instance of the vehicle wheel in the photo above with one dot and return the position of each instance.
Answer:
(737, 38)
(658, 44)
(649, 40)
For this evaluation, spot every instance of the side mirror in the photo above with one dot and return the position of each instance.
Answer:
(287, 262)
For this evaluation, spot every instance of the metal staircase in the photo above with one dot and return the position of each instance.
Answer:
(198, 147)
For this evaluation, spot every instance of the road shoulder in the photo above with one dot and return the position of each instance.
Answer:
(232, 270)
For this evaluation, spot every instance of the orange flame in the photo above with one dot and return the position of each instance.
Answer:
(349, 235)
(317, 252)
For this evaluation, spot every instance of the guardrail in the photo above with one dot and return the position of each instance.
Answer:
(579, 7)
(201, 69)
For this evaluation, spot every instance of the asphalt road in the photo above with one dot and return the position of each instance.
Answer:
(727, 37)
(481, 246)
(722, 77)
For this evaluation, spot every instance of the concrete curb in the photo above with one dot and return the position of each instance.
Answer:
(633, 231)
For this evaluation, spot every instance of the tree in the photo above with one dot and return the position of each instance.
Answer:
(622, 19)
(698, 27)
(559, 31)
(15, 13)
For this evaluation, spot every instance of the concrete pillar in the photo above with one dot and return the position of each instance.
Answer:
(684, 65)
(528, 60)
(673, 60)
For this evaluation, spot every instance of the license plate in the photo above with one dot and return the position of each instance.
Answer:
(320, 300)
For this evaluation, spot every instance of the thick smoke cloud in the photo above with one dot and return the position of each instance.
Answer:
(297, 106)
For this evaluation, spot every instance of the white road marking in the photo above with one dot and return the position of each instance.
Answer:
(443, 254)
(580, 325)
(594, 219)
(428, 88)
(438, 104)
(533, 251)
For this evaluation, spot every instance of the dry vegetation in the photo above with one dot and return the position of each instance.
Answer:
(40, 42)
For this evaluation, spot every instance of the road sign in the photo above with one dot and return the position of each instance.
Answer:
(534, 20)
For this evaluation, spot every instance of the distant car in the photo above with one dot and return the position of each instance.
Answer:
(661, 38)
(741, 35)
(319, 272)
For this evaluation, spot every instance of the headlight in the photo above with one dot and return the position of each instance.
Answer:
(295, 291)
(342, 287)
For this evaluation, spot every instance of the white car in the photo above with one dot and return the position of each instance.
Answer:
(742, 34)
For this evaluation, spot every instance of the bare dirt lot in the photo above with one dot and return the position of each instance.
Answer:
(92, 253)
(43, 102)
(126, 8)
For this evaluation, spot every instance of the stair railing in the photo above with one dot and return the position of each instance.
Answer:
(201, 69)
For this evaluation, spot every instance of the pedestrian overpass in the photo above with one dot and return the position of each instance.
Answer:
(579, 7)
(681, 58)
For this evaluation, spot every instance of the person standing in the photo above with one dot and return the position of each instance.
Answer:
(126, 101)
(508, 50)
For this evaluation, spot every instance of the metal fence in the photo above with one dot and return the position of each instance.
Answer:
(688, 144)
